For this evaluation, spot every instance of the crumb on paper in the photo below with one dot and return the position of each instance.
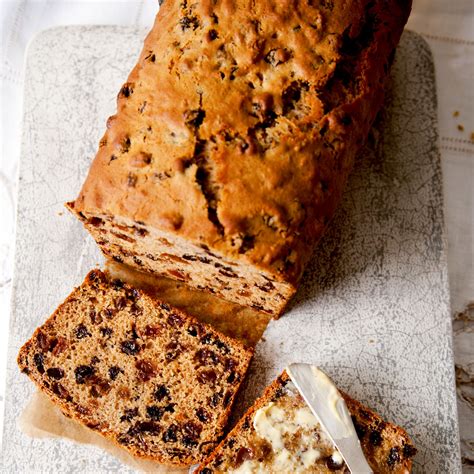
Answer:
(456, 113)
(472, 137)
(461, 128)
(60, 213)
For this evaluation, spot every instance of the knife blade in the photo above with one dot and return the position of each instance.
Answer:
(330, 409)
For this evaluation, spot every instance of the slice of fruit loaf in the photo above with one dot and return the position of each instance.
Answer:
(147, 376)
(279, 434)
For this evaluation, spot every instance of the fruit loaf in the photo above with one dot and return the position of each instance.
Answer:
(144, 375)
(234, 137)
(279, 434)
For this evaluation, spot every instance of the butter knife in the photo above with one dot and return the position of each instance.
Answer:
(330, 409)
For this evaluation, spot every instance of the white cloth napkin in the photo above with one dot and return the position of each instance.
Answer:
(447, 26)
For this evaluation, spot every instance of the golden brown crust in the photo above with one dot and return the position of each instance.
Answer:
(387, 447)
(238, 127)
(96, 400)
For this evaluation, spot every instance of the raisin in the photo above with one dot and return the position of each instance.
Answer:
(393, 456)
(175, 320)
(137, 261)
(147, 427)
(242, 455)
(221, 346)
(170, 435)
(228, 274)
(213, 35)
(135, 310)
(267, 287)
(231, 378)
(192, 429)
(95, 318)
(95, 276)
(202, 415)
(102, 388)
(207, 376)
(189, 22)
(278, 56)
(206, 470)
(96, 221)
(154, 412)
(230, 364)
(375, 438)
(127, 90)
(109, 313)
(130, 347)
(346, 120)
(189, 442)
(83, 410)
(106, 332)
(152, 331)
(206, 339)
(81, 332)
(146, 370)
(192, 331)
(360, 430)
(117, 284)
(42, 340)
(60, 346)
(55, 373)
(133, 294)
(120, 303)
(226, 399)
(165, 306)
(39, 361)
(174, 350)
(248, 243)
(292, 94)
(160, 393)
(194, 118)
(114, 372)
(83, 372)
(129, 414)
(214, 400)
(60, 391)
(206, 357)
(332, 464)
(170, 407)
(409, 450)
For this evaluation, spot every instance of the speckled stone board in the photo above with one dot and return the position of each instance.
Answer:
(373, 309)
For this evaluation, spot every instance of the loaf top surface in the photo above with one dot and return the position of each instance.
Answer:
(239, 124)
(144, 375)
(280, 434)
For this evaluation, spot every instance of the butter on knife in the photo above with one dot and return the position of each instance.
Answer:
(329, 408)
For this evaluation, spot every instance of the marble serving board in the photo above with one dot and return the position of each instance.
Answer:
(373, 309)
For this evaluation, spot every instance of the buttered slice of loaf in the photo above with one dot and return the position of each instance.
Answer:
(147, 376)
(279, 434)
(234, 137)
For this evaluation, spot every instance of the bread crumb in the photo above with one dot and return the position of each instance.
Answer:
(456, 113)
(472, 136)
(460, 128)
(60, 213)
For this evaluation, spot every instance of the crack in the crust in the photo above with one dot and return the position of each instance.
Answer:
(194, 120)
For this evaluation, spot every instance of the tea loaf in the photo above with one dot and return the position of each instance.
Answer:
(280, 434)
(147, 376)
(234, 137)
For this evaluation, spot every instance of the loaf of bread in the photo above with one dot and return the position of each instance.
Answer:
(279, 434)
(146, 376)
(234, 137)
